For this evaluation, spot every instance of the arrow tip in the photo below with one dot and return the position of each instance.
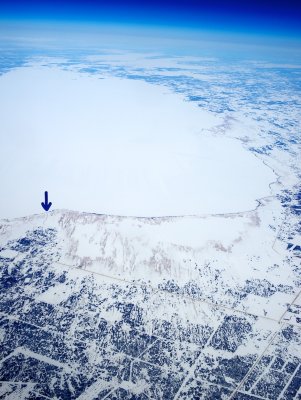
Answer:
(46, 206)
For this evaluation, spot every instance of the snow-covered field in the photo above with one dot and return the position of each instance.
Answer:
(117, 146)
(161, 308)
(191, 287)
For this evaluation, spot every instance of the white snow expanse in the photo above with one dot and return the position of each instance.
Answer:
(175, 307)
(117, 146)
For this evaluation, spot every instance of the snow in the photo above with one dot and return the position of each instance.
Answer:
(117, 146)
(8, 253)
(55, 295)
(132, 303)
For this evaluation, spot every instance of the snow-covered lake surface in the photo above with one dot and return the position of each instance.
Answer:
(117, 146)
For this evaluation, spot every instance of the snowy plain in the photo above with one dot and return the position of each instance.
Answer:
(117, 146)
(173, 307)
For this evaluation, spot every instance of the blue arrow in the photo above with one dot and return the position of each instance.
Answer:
(46, 205)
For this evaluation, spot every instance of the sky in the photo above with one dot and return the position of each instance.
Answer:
(256, 16)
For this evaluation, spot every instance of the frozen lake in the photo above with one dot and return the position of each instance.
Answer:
(116, 146)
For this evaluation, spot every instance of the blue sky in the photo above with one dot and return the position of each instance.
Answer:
(261, 29)
(268, 17)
